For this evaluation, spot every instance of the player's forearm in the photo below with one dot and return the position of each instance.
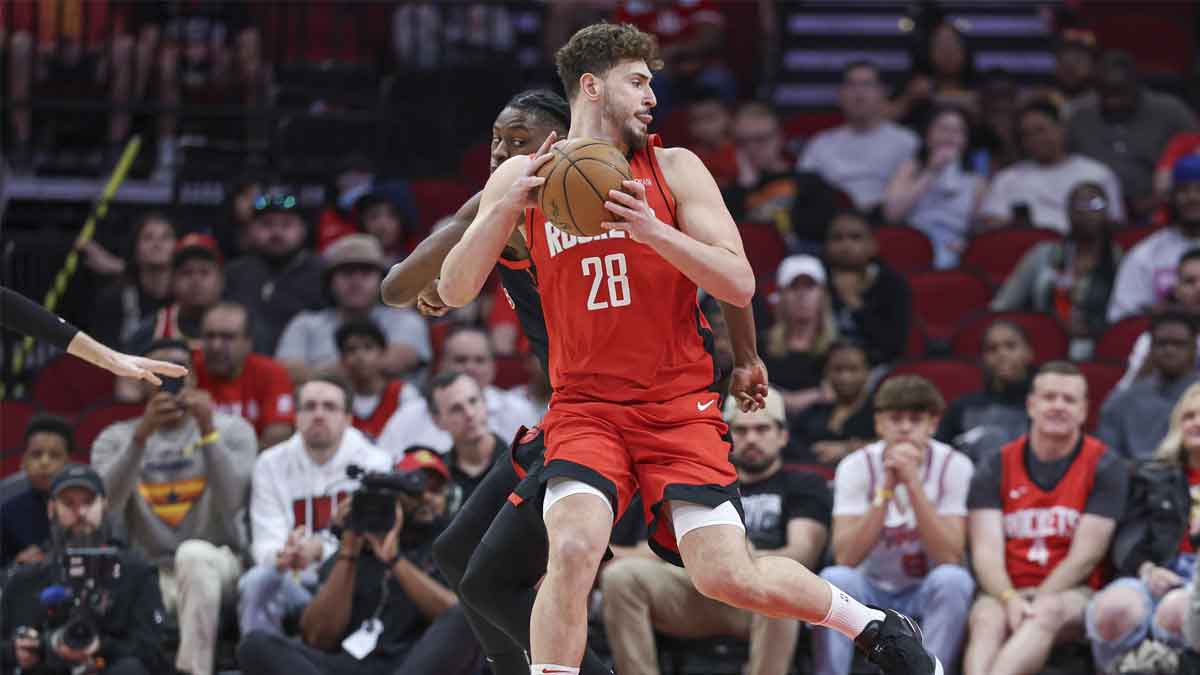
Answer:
(742, 333)
(469, 263)
(726, 275)
(407, 277)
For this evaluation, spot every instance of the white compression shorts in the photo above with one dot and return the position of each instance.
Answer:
(686, 516)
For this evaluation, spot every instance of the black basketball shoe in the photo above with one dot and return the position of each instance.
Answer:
(897, 646)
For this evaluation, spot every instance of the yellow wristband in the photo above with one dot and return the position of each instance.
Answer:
(212, 437)
(1008, 595)
(882, 495)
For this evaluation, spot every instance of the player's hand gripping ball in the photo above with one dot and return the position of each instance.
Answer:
(578, 180)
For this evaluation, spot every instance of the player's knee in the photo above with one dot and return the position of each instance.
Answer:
(723, 584)
(576, 553)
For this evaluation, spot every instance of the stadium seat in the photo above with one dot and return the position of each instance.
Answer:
(765, 248)
(953, 377)
(1116, 343)
(915, 349)
(1101, 378)
(942, 298)
(474, 167)
(91, 423)
(438, 197)
(1049, 339)
(997, 252)
(511, 371)
(14, 415)
(905, 249)
(807, 124)
(67, 386)
(1128, 237)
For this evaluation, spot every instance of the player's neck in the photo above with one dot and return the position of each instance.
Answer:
(591, 123)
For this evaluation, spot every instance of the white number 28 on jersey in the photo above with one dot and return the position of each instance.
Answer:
(613, 268)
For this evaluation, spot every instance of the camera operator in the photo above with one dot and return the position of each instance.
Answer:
(126, 617)
(381, 606)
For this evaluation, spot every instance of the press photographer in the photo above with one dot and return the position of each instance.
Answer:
(381, 606)
(88, 607)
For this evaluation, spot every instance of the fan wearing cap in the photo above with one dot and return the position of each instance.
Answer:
(1148, 271)
(390, 577)
(354, 270)
(872, 303)
(129, 623)
(278, 277)
(794, 347)
(787, 514)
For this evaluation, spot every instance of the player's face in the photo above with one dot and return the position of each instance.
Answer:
(45, 455)
(360, 356)
(1189, 423)
(758, 441)
(226, 343)
(469, 352)
(1187, 203)
(905, 426)
(155, 243)
(1057, 406)
(461, 412)
(517, 132)
(197, 283)
(322, 417)
(847, 371)
(77, 510)
(1187, 286)
(628, 100)
(1006, 355)
(1172, 349)
(355, 287)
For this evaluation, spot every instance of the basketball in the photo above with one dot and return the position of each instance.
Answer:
(577, 183)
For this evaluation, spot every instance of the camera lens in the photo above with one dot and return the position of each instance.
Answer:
(78, 633)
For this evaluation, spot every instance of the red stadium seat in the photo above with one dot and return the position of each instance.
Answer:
(96, 420)
(1049, 339)
(943, 298)
(806, 124)
(765, 248)
(511, 371)
(14, 416)
(905, 249)
(68, 385)
(1117, 342)
(474, 167)
(953, 377)
(915, 349)
(996, 253)
(1101, 378)
(439, 197)
(1128, 237)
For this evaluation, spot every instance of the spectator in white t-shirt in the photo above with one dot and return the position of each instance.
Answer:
(1037, 187)
(860, 156)
(1147, 272)
(355, 268)
(469, 350)
(899, 526)
(1187, 299)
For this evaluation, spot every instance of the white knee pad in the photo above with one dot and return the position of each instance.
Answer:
(557, 488)
(688, 516)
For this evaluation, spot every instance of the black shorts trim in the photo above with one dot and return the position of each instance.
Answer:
(565, 468)
(710, 495)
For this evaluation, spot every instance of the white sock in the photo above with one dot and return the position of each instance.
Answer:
(551, 669)
(846, 615)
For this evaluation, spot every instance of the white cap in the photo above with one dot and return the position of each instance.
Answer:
(797, 265)
(774, 408)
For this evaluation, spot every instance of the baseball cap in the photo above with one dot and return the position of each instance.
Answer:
(1186, 170)
(418, 457)
(774, 408)
(77, 475)
(355, 249)
(196, 245)
(795, 266)
(276, 199)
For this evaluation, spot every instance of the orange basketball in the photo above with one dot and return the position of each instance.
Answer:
(577, 183)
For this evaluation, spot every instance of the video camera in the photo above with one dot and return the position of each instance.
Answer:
(373, 506)
(74, 606)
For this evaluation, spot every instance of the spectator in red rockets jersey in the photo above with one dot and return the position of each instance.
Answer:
(1042, 512)
(242, 383)
(361, 344)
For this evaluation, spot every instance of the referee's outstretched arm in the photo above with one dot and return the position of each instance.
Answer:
(20, 314)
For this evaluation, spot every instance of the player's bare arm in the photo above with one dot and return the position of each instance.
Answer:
(408, 277)
(509, 191)
(707, 248)
(748, 381)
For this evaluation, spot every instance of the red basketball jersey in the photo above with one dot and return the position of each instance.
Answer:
(624, 324)
(1039, 525)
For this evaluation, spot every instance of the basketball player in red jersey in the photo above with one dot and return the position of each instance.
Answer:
(634, 403)
(1042, 513)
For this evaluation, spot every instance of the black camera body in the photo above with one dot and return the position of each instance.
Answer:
(373, 506)
(74, 606)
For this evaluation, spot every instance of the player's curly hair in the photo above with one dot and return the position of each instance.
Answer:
(597, 48)
(542, 102)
